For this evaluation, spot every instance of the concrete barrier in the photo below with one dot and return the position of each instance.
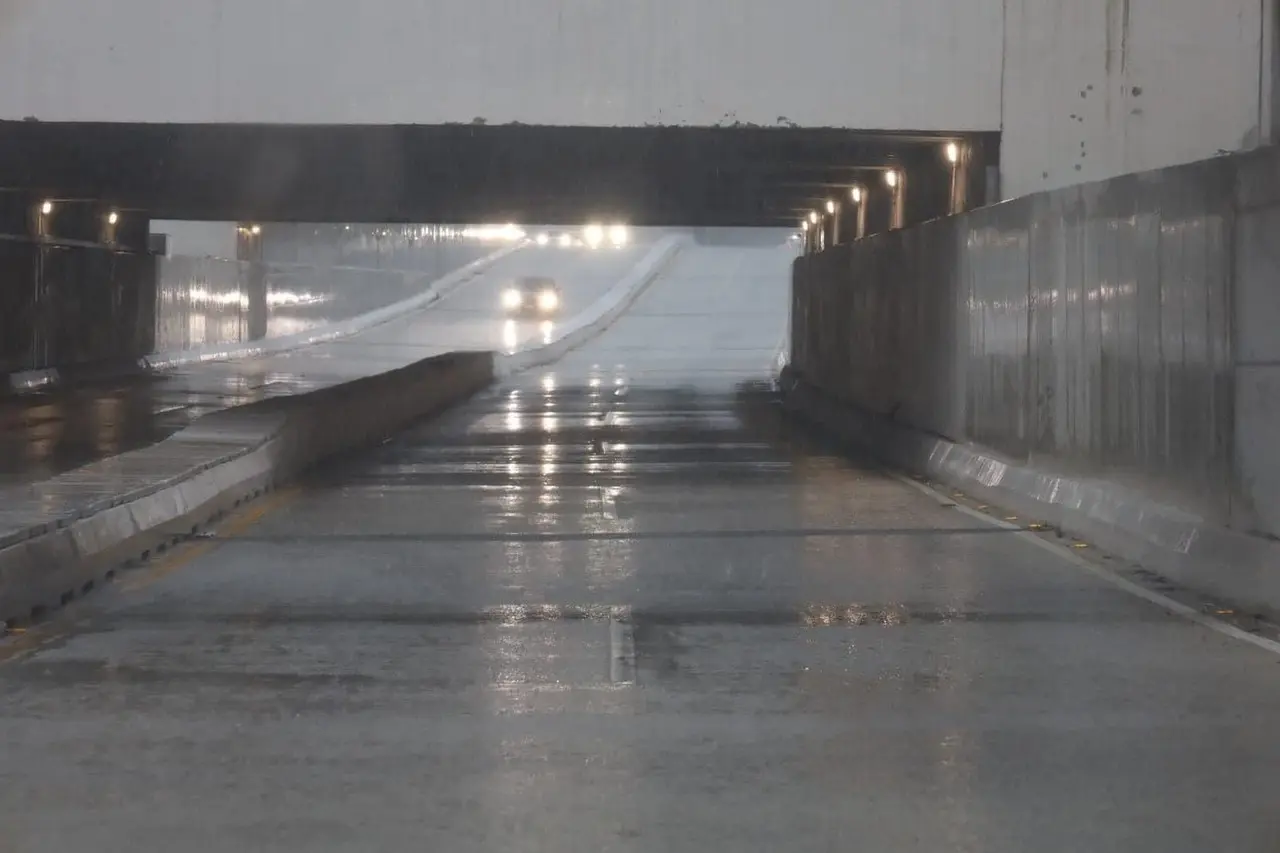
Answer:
(67, 534)
(61, 537)
(1183, 547)
(602, 313)
(438, 290)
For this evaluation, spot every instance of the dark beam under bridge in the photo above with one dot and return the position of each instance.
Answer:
(733, 176)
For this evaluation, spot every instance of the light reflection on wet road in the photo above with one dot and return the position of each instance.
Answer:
(617, 605)
(46, 434)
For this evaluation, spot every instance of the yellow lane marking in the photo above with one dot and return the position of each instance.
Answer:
(28, 640)
(23, 642)
(186, 554)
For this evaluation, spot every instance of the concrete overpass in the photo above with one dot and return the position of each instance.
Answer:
(1077, 90)
(708, 176)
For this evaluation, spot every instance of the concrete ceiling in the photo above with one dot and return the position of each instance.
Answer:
(724, 176)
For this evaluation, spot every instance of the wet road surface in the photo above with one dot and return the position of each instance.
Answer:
(45, 434)
(617, 605)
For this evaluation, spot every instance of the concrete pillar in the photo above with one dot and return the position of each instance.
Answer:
(256, 291)
(249, 251)
(895, 180)
(958, 159)
(858, 198)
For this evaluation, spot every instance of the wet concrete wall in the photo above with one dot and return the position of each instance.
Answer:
(1128, 330)
(68, 303)
(292, 278)
(1097, 88)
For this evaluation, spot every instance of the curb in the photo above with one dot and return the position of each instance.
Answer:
(55, 547)
(603, 313)
(1185, 548)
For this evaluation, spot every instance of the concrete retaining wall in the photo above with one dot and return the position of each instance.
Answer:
(68, 303)
(1119, 334)
(1098, 88)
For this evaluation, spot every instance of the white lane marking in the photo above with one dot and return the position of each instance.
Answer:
(622, 647)
(1101, 572)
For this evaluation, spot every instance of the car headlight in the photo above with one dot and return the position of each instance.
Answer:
(511, 299)
(548, 300)
(618, 235)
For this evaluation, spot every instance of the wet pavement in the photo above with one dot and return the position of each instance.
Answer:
(617, 605)
(45, 434)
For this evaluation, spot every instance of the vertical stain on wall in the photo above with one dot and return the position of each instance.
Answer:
(1124, 36)
(1117, 44)
(1109, 48)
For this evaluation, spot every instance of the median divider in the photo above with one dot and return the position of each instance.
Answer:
(1182, 547)
(602, 313)
(438, 290)
(59, 538)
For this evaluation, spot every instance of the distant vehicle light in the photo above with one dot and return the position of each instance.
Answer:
(566, 241)
(548, 300)
(511, 298)
(543, 240)
(618, 235)
(594, 235)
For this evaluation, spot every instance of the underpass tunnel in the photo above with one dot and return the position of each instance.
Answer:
(91, 190)
(90, 215)
(580, 606)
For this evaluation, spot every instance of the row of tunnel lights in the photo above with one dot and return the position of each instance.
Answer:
(47, 207)
(891, 180)
(594, 234)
